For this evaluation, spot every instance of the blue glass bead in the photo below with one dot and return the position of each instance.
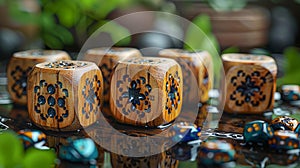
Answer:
(216, 152)
(185, 132)
(284, 139)
(257, 131)
(79, 150)
(31, 138)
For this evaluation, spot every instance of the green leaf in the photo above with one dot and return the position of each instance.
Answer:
(52, 42)
(47, 22)
(68, 14)
(203, 22)
(35, 158)
(11, 150)
(199, 35)
(291, 67)
(260, 51)
(118, 33)
(231, 50)
(292, 60)
(63, 34)
(87, 4)
(125, 41)
(19, 15)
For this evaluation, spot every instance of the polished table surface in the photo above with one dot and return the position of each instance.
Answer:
(230, 128)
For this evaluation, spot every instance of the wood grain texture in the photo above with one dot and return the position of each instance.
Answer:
(250, 83)
(65, 95)
(197, 71)
(107, 59)
(146, 91)
(163, 160)
(21, 64)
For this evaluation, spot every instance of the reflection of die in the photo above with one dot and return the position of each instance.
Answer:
(250, 83)
(65, 95)
(284, 160)
(284, 139)
(146, 91)
(107, 59)
(197, 72)
(184, 132)
(257, 131)
(285, 123)
(162, 160)
(21, 64)
(216, 152)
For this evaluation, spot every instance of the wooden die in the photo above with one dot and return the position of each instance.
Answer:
(21, 63)
(65, 95)
(146, 91)
(107, 59)
(197, 72)
(250, 83)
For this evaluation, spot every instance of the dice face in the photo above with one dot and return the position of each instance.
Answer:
(284, 139)
(196, 72)
(65, 95)
(216, 152)
(257, 131)
(185, 132)
(21, 64)
(284, 123)
(250, 89)
(146, 91)
(107, 59)
(250, 83)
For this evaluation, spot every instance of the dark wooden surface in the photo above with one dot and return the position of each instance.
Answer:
(18, 119)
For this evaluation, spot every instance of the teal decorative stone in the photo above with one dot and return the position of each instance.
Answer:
(257, 131)
(79, 150)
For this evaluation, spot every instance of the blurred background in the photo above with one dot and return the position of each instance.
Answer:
(253, 26)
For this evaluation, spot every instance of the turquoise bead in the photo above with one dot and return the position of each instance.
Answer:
(79, 150)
